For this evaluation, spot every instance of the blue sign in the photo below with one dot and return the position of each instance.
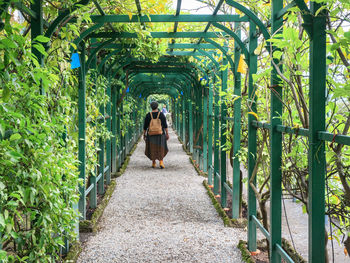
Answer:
(75, 63)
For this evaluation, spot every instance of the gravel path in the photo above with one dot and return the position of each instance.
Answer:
(159, 215)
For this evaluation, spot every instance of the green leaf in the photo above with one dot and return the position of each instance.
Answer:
(347, 35)
(40, 48)
(8, 43)
(2, 221)
(5, 94)
(15, 136)
(42, 39)
(304, 209)
(3, 255)
(320, 9)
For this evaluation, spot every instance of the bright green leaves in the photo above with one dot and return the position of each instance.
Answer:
(15, 136)
(5, 93)
(7, 43)
(40, 48)
(42, 39)
(347, 35)
(38, 184)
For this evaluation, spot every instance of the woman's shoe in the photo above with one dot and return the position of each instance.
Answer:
(161, 165)
(154, 164)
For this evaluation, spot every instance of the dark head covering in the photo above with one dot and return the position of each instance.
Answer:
(154, 105)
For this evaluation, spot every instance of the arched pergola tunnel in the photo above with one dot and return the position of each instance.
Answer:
(199, 118)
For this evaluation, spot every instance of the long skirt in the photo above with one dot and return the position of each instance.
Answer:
(156, 147)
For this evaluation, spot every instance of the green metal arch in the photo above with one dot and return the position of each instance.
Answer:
(235, 37)
(62, 16)
(224, 52)
(252, 17)
(141, 79)
(192, 82)
(85, 34)
(210, 57)
(127, 63)
(94, 52)
(184, 79)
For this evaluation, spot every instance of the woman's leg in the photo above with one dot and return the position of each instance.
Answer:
(161, 164)
(154, 164)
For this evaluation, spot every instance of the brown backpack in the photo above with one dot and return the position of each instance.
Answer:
(155, 126)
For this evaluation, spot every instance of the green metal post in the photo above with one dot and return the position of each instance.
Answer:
(253, 43)
(101, 157)
(205, 130)
(37, 29)
(82, 132)
(180, 118)
(135, 124)
(223, 138)
(119, 134)
(123, 116)
(195, 126)
(275, 146)
(190, 124)
(236, 193)
(93, 179)
(114, 129)
(200, 123)
(210, 134)
(178, 126)
(126, 137)
(216, 142)
(109, 128)
(122, 136)
(176, 117)
(183, 120)
(317, 160)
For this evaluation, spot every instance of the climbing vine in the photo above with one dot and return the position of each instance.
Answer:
(39, 130)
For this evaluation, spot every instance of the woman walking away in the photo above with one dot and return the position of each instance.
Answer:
(155, 133)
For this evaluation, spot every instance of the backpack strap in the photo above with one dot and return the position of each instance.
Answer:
(158, 114)
(151, 115)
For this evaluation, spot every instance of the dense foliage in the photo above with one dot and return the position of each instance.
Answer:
(293, 43)
(38, 130)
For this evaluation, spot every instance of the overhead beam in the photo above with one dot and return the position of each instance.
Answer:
(185, 53)
(178, 8)
(159, 35)
(157, 70)
(170, 46)
(99, 8)
(190, 45)
(216, 10)
(166, 18)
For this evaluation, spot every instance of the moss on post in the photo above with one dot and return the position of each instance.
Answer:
(73, 253)
(91, 225)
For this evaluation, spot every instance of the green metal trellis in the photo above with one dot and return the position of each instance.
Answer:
(199, 117)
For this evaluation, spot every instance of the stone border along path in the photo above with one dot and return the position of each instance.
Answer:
(159, 215)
